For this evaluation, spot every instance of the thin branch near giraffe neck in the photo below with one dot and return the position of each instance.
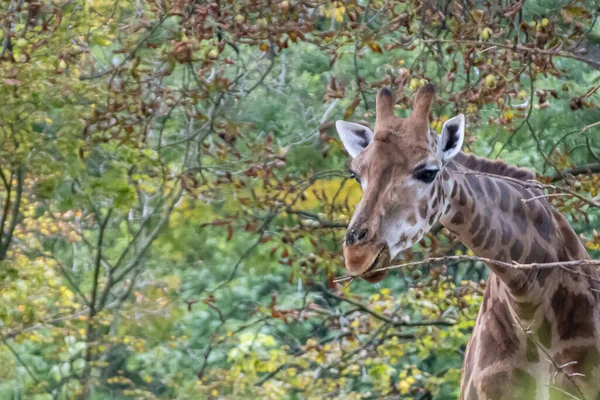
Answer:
(544, 195)
(533, 266)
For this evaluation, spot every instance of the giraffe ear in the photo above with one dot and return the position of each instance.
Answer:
(355, 137)
(453, 135)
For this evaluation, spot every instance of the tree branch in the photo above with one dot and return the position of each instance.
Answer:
(519, 49)
(5, 243)
(366, 309)
(153, 235)
(583, 170)
(322, 223)
(97, 263)
(356, 42)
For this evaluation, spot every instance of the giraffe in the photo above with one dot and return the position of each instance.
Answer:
(537, 333)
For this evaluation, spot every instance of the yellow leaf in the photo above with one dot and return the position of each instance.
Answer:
(375, 47)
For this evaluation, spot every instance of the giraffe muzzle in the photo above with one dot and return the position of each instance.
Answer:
(364, 261)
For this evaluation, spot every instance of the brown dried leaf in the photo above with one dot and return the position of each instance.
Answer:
(352, 107)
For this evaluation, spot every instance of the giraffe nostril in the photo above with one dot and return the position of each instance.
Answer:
(362, 234)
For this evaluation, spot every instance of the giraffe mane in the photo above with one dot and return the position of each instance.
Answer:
(494, 167)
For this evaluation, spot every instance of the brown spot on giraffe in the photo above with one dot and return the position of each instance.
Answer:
(454, 189)
(458, 218)
(501, 256)
(473, 181)
(520, 217)
(478, 239)
(519, 286)
(543, 225)
(403, 238)
(516, 251)
(507, 234)
(431, 219)
(494, 386)
(572, 311)
(475, 224)
(484, 223)
(544, 273)
(491, 240)
(423, 208)
(435, 203)
(462, 197)
(505, 198)
(500, 334)
(490, 188)
(540, 255)
(536, 252)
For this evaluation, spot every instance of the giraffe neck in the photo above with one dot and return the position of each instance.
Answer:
(527, 316)
(498, 219)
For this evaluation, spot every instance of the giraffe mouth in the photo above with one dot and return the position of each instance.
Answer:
(372, 274)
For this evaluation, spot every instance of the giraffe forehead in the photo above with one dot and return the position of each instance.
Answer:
(387, 157)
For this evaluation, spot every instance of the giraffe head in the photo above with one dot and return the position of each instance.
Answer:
(399, 166)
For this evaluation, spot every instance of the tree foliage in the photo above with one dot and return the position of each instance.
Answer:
(173, 192)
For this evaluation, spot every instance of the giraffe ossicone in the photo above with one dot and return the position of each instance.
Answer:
(411, 178)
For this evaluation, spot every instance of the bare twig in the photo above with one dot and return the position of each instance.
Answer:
(322, 223)
(543, 196)
(582, 170)
(448, 259)
(379, 316)
(356, 42)
(97, 263)
(519, 49)
(526, 120)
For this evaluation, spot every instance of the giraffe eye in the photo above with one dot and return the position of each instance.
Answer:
(355, 177)
(426, 175)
